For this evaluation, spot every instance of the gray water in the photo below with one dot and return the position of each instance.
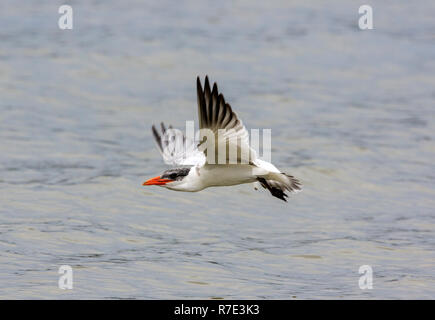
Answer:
(352, 116)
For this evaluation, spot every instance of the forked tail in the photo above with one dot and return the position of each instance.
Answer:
(279, 183)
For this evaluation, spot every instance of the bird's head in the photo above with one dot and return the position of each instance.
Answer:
(171, 179)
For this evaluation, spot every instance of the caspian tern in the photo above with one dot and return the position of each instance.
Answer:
(216, 116)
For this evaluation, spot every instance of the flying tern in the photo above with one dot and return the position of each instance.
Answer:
(194, 171)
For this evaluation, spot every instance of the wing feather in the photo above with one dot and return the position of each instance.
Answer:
(176, 149)
(215, 113)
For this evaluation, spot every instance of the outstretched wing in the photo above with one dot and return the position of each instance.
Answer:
(217, 116)
(176, 150)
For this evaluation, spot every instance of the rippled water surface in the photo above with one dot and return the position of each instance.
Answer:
(352, 116)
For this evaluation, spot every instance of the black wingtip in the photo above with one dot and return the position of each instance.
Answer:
(157, 137)
(162, 125)
(207, 85)
(199, 85)
(206, 82)
(214, 91)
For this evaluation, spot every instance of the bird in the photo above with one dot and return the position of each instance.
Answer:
(195, 169)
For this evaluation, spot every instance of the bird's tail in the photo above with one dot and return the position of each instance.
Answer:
(279, 183)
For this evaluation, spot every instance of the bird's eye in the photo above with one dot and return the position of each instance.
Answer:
(172, 176)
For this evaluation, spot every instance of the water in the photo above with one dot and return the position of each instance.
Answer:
(352, 116)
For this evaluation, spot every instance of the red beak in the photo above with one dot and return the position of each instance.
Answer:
(156, 181)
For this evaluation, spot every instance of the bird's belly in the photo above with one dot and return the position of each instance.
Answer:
(226, 175)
